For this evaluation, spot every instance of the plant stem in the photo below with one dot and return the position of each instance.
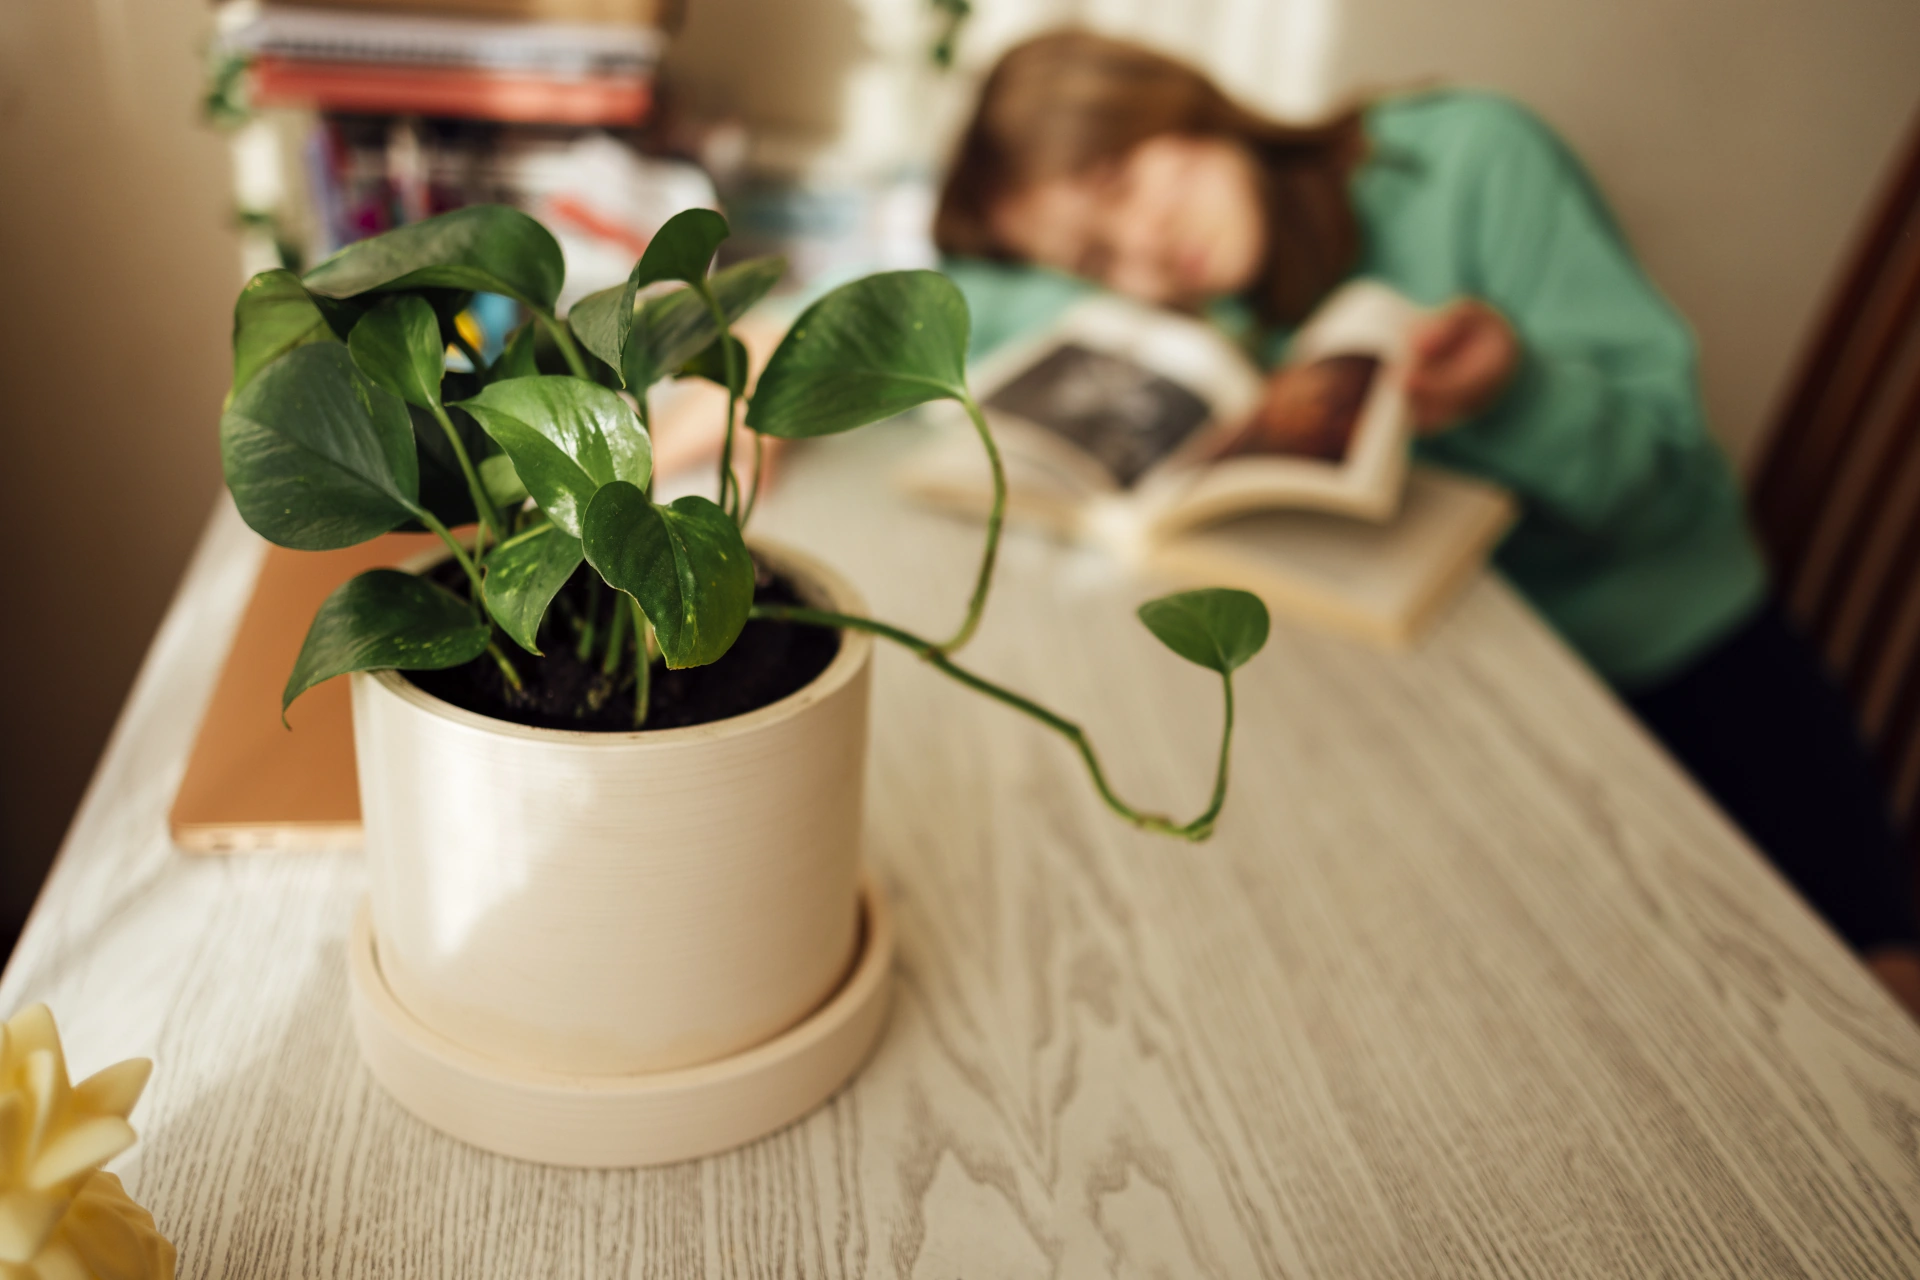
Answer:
(506, 667)
(590, 624)
(730, 360)
(482, 502)
(616, 640)
(531, 531)
(978, 603)
(753, 491)
(642, 663)
(428, 519)
(646, 425)
(1198, 829)
(564, 340)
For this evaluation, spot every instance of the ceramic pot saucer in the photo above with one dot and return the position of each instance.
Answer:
(623, 1121)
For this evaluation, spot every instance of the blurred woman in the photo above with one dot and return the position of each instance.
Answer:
(1550, 365)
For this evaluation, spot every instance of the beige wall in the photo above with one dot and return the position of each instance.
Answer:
(1739, 140)
(117, 269)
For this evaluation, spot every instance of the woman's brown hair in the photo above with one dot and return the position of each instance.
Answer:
(1067, 103)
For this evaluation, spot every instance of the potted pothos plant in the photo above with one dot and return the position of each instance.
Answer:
(610, 753)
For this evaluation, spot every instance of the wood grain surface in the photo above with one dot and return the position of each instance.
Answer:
(1470, 983)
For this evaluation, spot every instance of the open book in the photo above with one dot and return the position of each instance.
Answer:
(1152, 434)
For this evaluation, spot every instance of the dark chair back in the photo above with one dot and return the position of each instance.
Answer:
(1836, 498)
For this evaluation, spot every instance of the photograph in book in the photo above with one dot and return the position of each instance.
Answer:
(1126, 416)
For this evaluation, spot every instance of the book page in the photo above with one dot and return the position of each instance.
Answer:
(1386, 583)
(1331, 435)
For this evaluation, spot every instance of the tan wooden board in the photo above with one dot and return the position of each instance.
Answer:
(252, 782)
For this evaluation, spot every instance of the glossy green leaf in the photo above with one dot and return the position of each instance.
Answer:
(566, 437)
(601, 321)
(385, 619)
(557, 481)
(397, 345)
(502, 482)
(673, 328)
(712, 365)
(866, 351)
(485, 248)
(316, 456)
(517, 359)
(1216, 627)
(685, 564)
(682, 249)
(523, 575)
(273, 314)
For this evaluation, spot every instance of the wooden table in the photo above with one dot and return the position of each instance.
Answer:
(1470, 982)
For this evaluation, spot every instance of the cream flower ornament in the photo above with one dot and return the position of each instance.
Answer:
(60, 1217)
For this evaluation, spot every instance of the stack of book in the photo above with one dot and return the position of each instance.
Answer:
(350, 117)
(450, 66)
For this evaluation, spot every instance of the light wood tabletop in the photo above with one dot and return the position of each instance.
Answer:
(1471, 982)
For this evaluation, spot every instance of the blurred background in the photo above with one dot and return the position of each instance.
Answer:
(155, 153)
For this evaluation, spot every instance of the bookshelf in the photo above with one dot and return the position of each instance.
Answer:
(350, 117)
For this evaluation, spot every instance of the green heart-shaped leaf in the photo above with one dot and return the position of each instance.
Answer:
(273, 314)
(397, 345)
(712, 365)
(601, 321)
(672, 329)
(1216, 627)
(523, 575)
(316, 456)
(685, 564)
(485, 248)
(866, 351)
(681, 249)
(566, 437)
(385, 619)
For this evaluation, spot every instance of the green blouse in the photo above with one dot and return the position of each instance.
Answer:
(1632, 540)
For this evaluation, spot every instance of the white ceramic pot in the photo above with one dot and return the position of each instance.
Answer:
(614, 903)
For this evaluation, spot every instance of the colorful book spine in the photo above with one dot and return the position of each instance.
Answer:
(454, 92)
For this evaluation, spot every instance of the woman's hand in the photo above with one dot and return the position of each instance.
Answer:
(1462, 359)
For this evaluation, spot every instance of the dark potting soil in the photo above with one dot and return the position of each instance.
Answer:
(560, 691)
